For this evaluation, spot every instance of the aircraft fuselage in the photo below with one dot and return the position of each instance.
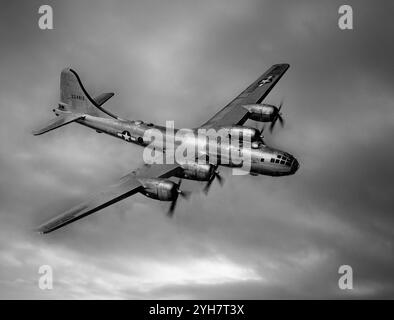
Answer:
(264, 159)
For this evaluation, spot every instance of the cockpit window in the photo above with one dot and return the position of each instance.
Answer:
(262, 159)
(272, 160)
(277, 161)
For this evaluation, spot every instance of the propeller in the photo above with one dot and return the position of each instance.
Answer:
(261, 131)
(214, 175)
(262, 134)
(183, 194)
(277, 116)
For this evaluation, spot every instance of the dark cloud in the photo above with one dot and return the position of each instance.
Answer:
(257, 237)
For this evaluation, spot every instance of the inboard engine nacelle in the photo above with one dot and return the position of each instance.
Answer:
(242, 133)
(196, 171)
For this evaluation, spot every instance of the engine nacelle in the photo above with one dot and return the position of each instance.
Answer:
(159, 189)
(261, 112)
(242, 133)
(196, 171)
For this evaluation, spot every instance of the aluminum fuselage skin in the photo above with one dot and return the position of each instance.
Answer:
(263, 159)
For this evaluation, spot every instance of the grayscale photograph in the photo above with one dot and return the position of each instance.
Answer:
(196, 150)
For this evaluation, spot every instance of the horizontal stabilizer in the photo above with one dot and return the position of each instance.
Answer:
(58, 122)
(103, 98)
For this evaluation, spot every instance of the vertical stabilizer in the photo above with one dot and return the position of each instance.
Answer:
(74, 94)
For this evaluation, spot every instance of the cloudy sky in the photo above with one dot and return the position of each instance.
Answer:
(255, 238)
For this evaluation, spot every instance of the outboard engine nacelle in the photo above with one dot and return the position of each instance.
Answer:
(160, 189)
(261, 112)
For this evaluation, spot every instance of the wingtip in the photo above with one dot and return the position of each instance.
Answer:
(38, 230)
(287, 65)
(35, 132)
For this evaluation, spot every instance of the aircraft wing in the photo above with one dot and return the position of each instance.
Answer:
(125, 187)
(234, 113)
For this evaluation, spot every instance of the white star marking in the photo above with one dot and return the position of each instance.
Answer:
(266, 80)
(126, 136)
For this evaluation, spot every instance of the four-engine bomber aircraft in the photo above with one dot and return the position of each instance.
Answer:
(152, 180)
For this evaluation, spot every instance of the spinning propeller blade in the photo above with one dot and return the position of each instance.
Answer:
(261, 131)
(278, 116)
(183, 194)
(214, 175)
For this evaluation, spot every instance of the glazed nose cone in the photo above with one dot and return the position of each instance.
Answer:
(294, 166)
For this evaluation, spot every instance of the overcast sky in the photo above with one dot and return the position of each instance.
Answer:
(255, 238)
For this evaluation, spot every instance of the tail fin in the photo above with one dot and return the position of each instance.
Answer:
(78, 100)
(75, 103)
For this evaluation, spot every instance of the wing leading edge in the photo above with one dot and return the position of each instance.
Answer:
(58, 122)
(125, 187)
(234, 113)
